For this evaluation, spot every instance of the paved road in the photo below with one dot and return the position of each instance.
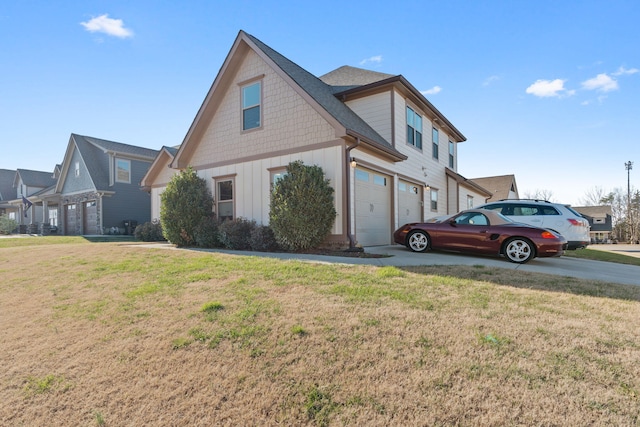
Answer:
(564, 266)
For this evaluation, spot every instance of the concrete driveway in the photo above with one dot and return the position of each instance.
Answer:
(401, 256)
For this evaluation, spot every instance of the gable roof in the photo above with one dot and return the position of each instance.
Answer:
(92, 150)
(500, 186)
(34, 179)
(322, 95)
(594, 211)
(163, 159)
(7, 190)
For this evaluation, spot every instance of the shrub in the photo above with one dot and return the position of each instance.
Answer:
(263, 239)
(207, 234)
(149, 231)
(236, 233)
(7, 225)
(302, 211)
(185, 202)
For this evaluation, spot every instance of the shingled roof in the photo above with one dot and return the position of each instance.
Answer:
(93, 152)
(7, 190)
(35, 179)
(324, 95)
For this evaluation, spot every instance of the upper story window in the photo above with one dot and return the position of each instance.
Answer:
(414, 128)
(469, 202)
(451, 155)
(435, 136)
(251, 106)
(77, 169)
(123, 171)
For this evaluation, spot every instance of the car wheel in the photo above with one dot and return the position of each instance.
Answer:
(418, 241)
(519, 250)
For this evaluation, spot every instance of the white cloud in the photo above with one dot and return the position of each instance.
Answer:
(432, 91)
(602, 83)
(373, 60)
(621, 71)
(489, 80)
(111, 27)
(549, 88)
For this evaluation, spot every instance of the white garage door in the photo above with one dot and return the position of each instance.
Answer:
(373, 208)
(409, 203)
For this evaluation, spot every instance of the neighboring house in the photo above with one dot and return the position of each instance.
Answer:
(390, 155)
(99, 186)
(601, 221)
(501, 187)
(158, 176)
(28, 186)
(7, 192)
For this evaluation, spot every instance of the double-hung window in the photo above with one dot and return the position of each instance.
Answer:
(224, 201)
(414, 128)
(434, 200)
(435, 135)
(123, 171)
(251, 106)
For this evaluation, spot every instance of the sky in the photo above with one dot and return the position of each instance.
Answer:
(545, 90)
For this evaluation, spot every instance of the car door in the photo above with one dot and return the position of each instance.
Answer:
(524, 213)
(467, 232)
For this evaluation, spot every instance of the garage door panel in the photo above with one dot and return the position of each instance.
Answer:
(372, 208)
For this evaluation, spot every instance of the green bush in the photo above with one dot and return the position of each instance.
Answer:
(263, 239)
(184, 203)
(236, 233)
(149, 232)
(7, 225)
(302, 211)
(207, 234)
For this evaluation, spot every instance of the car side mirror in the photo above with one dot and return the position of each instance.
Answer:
(452, 222)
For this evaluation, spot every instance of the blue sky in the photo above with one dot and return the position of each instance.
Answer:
(546, 90)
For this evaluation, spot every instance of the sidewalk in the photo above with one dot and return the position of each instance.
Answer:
(623, 249)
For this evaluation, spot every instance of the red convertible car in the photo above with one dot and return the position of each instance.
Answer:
(482, 231)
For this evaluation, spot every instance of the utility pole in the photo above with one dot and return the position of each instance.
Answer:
(628, 166)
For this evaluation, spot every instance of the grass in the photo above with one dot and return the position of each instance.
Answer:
(152, 336)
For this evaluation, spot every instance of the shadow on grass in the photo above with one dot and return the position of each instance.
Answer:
(533, 281)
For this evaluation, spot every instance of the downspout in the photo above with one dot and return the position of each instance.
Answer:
(352, 243)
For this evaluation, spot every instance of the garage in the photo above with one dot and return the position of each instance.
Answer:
(372, 207)
(409, 202)
(90, 218)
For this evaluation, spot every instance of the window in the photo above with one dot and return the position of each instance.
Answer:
(277, 175)
(77, 169)
(472, 218)
(251, 101)
(362, 175)
(224, 190)
(380, 180)
(469, 202)
(434, 200)
(53, 217)
(451, 155)
(123, 171)
(434, 138)
(414, 128)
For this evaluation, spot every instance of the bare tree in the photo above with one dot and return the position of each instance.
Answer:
(539, 195)
(594, 196)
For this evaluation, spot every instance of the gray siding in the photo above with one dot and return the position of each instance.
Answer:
(73, 183)
(129, 202)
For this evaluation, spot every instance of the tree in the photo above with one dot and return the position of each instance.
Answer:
(302, 207)
(539, 195)
(185, 202)
(594, 197)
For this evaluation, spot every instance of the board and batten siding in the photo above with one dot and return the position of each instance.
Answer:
(252, 180)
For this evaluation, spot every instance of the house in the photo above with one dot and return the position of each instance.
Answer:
(7, 191)
(28, 186)
(98, 191)
(389, 153)
(501, 187)
(601, 221)
(158, 176)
